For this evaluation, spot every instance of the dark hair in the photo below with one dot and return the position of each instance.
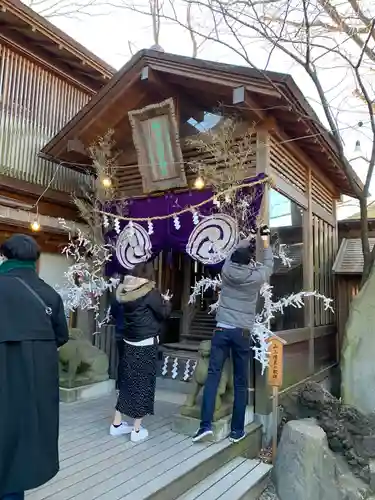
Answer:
(20, 247)
(144, 270)
(243, 256)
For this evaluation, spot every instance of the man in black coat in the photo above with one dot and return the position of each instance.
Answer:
(33, 325)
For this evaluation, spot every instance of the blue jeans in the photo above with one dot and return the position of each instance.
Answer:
(13, 496)
(225, 341)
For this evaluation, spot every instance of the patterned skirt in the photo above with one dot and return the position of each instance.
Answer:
(138, 379)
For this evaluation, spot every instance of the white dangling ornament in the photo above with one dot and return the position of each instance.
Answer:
(195, 217)
(216, 202)
(227, 199)
(176, 222)
(117, 226)
(150, 227)
(105, 221)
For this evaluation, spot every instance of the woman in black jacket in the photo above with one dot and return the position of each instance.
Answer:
(144, 313)
(33, 326)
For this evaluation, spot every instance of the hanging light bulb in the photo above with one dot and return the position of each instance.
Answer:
(199, 182)
(35, 226)
(106, 182)
(357, 148)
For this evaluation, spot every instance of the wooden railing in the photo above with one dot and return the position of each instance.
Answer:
(34, 105)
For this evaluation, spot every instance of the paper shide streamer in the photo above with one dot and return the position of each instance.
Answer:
(261, 329)
(84, 283)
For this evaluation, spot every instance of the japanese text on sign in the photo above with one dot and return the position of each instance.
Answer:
(275, 368)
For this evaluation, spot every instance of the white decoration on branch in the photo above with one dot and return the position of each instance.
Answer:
(167, 296)
(84, 283)
(261, 329)
(105, 221)
(202, 286)
(176, 222)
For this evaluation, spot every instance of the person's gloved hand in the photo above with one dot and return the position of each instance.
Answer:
(264, 232)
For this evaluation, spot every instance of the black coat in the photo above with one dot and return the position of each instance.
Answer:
(29, 386)
(144, 316)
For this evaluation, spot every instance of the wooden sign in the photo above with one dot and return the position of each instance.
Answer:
(275, 368)
(157, 142)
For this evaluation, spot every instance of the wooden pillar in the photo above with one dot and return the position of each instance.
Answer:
(262, 390)
(308, 271)
(186, 289)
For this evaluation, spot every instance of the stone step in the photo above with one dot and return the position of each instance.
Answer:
(180, 479)
(239, 479)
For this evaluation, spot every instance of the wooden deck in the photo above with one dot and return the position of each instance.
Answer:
(95, 465)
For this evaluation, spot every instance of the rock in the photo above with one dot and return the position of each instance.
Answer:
(306, 469)
(357, 362)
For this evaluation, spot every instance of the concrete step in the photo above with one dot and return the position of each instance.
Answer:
(239, 479)
(179, 480)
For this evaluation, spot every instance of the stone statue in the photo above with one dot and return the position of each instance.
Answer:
(81, 363)
(224, 397)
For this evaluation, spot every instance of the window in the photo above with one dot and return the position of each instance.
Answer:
(210, 120)
(286, 219)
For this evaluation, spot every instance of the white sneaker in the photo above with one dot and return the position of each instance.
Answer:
(122, 429)
(139, 436)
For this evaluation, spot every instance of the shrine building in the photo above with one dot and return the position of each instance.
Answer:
(155, 104)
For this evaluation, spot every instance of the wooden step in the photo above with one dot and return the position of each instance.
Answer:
(183, 347)
(179, 479)
(239, 479)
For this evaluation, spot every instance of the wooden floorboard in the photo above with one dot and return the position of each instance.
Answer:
(94, 465)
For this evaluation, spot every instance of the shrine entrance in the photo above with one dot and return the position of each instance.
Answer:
(189, 323)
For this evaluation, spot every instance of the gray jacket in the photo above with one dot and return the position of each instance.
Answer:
(240, 290)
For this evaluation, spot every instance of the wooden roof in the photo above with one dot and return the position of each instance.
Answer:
(272, 97)
(26, 30)
(349, 258)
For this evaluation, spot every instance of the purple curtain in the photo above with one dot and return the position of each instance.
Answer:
(165, 235)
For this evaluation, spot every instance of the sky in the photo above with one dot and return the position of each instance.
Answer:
(111, 36)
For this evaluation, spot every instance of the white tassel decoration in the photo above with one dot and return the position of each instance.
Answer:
(117, 226)
(150, 228)
(176, 222)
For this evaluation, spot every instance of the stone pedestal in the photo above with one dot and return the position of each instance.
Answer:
(184, 424)
(85, 392)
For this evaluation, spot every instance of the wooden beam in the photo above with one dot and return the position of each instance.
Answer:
(186, 108)
(308, 271)
(262, 389)
(215, 77)
(242, 99)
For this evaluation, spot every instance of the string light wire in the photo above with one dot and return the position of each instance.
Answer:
(191, 207)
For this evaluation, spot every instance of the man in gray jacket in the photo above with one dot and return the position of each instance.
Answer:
(242, 279)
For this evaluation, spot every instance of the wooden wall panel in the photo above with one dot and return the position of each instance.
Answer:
(129, 180)
(324, 253)
(34, 105)
(321, 194)
(287, 166)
